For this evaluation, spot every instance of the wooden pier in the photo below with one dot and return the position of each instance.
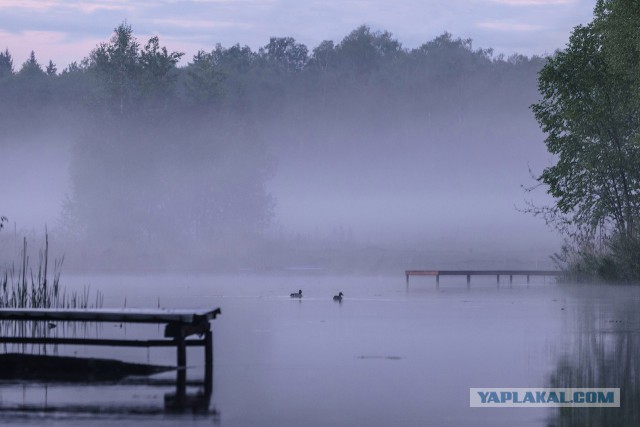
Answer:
(469, 273)
(180, 324)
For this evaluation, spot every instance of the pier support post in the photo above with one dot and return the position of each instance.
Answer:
(527, 279)
(498, 280)
(208, 362)
(437, 281)
(468, 281)
(182, 364)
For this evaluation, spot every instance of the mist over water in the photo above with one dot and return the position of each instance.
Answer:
(273, 159)
(461, 183)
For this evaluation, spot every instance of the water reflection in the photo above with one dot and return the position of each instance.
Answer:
(603, 352)
(38, 393)
(182, 402)
(35, 379)
(147, 398)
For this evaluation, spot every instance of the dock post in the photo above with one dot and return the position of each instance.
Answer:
(511, 279)
(182, 361)
(498, 280)
(527, 279)
(437, 281)
(407, 278)
(468, 281)
(208, 362)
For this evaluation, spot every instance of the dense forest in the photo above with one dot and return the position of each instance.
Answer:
(178, 161)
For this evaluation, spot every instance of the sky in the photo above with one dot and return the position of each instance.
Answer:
(67, 30)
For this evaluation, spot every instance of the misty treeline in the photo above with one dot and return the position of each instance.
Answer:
(590, 111)
(173, 162)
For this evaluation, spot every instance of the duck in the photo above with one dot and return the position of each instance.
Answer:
(338, 297)
(297, 295)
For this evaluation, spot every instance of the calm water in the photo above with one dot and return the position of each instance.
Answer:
(386, 355)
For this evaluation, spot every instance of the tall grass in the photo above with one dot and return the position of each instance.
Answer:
(37, 287)
(24, 287)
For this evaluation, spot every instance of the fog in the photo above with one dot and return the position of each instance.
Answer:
(461, 187)
(353, 155)
(33, 186)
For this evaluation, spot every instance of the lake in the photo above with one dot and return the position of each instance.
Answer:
(387, 355)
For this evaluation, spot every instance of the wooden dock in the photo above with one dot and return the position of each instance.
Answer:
(469, 273)
(180, 324)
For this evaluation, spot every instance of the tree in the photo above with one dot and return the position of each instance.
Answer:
(225, 75)
(31, 68)
(31, 87)
(592, 126)
(157, 73)
(590, 112)
(202, 80)
(51, 69)
(365, 50)
(445, 55)
(286, 53)
(153, 176)
(130, 76)
(323, 55)
(116, 65)
(6, 64)
(6, 83)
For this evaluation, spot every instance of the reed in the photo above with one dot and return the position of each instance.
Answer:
(26, 287)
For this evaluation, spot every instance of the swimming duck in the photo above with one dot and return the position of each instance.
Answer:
(298, 295)
(338, 297)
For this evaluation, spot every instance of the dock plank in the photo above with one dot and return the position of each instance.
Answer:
(111, 315)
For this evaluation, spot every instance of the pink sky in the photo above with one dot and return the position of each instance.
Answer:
(67, 30)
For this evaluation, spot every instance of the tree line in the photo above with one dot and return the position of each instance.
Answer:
(164, 154)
